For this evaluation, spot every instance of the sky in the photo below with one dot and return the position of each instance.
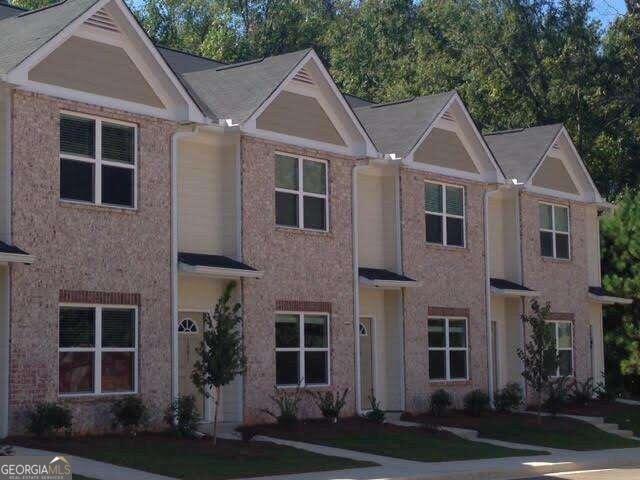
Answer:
(607, 10)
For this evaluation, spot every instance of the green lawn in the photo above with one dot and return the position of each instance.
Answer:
(192, 459)
(557, 432)
(626, 416)
(419, 444)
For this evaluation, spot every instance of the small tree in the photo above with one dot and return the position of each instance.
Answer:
(538, 356)
(221, 352)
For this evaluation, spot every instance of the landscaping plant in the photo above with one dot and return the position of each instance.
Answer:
(330, 405)
(221, 352)
(558, 394)
(583, 392)
(375, 413)
(509, 397)
(440, 402)
(49, 417)
(287, 403)
(247, 432)
(129, 413)
(538, 356)
(476, 402)
(183, 416)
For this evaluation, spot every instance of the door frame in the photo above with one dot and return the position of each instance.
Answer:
(208, 400)
(374, 369)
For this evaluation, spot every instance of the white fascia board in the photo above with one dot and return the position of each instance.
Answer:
(448, 172)
(607, 300)
(387, 284)
(218, 272)
(17, 258)
(505, 292)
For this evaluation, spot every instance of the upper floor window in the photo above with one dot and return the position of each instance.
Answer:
(444, 214)
(302, 349)
(301, 192)
(562, 334)
(97, 161)
(554, 231)
(98, 350)
(448, 348)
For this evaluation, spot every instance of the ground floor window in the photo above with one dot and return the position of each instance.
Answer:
(302, 349)
(562, 335)
(448, 348)
(98, 350)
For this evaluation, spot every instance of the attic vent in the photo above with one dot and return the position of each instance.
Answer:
(103, 20)
(555, 146)
(448, 116)
(303, 76)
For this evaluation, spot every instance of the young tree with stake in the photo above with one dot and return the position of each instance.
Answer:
(221, 352)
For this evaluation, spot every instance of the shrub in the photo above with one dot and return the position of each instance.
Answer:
(330, 405)
(476, 402)
(129, 413)
(183, 416)
(440, 402)
(558, 391)
(287, 403)
(6, 450)
(49, 417)
(606, 393)
(509, 397)
(375, 414)
(583, 392)
(247, 432)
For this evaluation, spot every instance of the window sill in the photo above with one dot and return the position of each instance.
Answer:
(562, 261)
(452, 248)
(322, 387)
(93, 397)
(96, 208)
(304, 231)
(450, 383)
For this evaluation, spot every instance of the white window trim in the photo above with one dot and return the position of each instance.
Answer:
(553, 231)
(97, 349)
(443, 214)
(300, 193)
(98, 161)
(448, 349)
(302, 349)
(559, 349)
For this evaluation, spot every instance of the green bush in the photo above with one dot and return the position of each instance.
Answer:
(183, 416)
(509, 397)
(583, 392)
(287, 403)
(330, 405)
(375, 413)
(440, 402)
(476, 402)
(558, 394)
(247, 432)
(129, 413)
(49, 417)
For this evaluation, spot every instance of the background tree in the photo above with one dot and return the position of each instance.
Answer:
(221, 352)
(538, 354)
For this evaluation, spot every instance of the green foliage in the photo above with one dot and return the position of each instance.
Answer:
(440, 402)
(476, 402)
(509, 397)
(129, 413)
(288, 402)
(330, 405)
(375, 414)
(558, 394)
(584, 392)
(32, 4)
(49, 417)
(182, 415)
(221, 352)
(538, 356)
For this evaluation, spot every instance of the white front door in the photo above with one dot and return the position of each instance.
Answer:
(366, 362)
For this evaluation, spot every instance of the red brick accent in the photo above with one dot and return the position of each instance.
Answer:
(448, 312)
(103, 298)
(302, 306)
(561, 316)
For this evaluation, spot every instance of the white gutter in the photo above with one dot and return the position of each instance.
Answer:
(609, 300)
(507, 292)
(388, 284)
(17, 258)
(219, 272)
(177, 136)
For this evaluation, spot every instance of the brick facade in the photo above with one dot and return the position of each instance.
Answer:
(86, 254)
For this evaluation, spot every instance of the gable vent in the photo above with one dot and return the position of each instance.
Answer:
(303, 76)
(448, 116)
(555, 146)
(103, 20)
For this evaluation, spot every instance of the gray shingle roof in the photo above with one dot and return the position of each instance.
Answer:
(7, 10)
(355, 102)
(234, 91)
(219, 261)
(518, 152)
(183, 62)
(397, 127)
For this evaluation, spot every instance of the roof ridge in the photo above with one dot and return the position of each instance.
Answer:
(177, 50)
(522, 129)
(240, 64)
(396, 102)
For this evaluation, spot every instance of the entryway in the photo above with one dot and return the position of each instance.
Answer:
(366, 362)
(190, 327)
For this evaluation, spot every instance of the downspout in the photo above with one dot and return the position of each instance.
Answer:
(182, 133)
(356, 284)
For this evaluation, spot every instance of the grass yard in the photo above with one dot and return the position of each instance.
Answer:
(191, 459)
(626, 416)
(419, 444)
(557, 432)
